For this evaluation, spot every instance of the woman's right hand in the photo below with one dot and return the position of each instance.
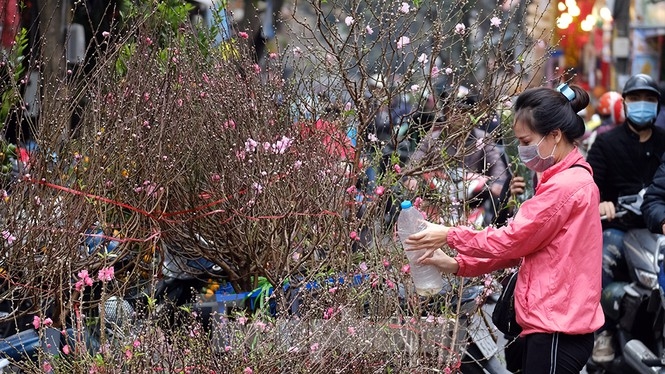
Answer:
(517, 185)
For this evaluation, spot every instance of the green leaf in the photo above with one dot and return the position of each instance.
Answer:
(126, 52)
(99, 359)
(152, 302)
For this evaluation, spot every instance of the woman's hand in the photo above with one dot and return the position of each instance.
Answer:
(430, 239)
(441, 260)
(517, 186)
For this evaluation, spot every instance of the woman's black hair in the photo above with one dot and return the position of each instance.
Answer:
(544, 110)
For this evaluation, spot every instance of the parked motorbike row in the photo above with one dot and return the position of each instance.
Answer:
(183, 279)
(638, 305)
(477, 335)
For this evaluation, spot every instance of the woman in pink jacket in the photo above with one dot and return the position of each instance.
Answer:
(556, 236)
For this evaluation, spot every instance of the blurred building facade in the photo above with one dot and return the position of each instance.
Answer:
(603, 42)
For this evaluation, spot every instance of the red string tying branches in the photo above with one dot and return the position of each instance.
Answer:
(163, 215)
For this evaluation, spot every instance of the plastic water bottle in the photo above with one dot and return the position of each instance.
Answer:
(426, 278)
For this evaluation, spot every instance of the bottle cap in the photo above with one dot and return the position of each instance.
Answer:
(406, 204)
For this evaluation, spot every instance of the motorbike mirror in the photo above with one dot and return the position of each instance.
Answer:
(631, 203)
(628, 199)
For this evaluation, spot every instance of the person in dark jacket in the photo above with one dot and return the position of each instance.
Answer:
(624, 161)
(653, 206)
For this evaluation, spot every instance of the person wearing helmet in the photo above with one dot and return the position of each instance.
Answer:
(610, 110)
(624, 161)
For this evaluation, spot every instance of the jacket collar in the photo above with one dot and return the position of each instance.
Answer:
(631, 133)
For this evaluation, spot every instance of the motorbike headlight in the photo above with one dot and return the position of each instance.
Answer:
(647, 279)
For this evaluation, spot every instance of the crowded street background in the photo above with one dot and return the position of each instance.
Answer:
(213, 186)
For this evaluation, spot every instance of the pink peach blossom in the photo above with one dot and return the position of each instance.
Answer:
(403, 41)
(106, 274)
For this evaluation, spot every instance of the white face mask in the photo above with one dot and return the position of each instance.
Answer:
(531, 157)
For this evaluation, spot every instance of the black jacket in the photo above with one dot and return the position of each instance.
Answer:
(653, 207)
(624, 166)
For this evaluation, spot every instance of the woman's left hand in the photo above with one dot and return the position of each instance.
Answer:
(431, 238)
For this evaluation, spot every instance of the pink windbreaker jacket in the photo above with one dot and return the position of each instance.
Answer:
(558, 237)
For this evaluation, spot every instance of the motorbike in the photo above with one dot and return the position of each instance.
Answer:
(637, 304)
(476, 335)
(480, 353)
(194, 282)
(649, 358)
(468, 191)
(20, 340)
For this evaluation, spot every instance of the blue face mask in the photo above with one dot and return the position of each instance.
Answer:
(641, 114)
